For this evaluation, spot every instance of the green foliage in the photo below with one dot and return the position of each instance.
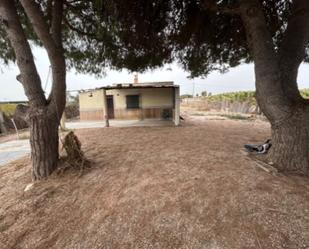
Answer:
(6, 53)
(235, 116)
(305, 93)
(142, 34)
(204, 93)
(72, 99)
(243, 96)
(8, 109)
(186, 96)
(117, 34)
(145, 34)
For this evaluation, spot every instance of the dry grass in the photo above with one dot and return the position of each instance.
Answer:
(160, 187)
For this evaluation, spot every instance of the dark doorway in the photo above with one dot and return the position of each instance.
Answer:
(110, 106)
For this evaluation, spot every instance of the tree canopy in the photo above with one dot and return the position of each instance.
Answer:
(202, 36)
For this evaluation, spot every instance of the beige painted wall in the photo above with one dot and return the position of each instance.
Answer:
(91, 103)
(152, 103)
(149, 98)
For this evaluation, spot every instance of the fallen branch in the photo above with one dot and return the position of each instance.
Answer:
(259, 163)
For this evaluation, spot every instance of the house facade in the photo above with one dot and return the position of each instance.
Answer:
(139, 101)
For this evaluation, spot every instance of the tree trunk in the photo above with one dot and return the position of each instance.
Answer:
(44, 140)
(44, 115)
(276, 87)
(290, 150)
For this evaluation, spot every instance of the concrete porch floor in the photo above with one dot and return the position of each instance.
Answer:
(118, 123)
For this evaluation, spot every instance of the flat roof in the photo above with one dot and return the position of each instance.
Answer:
(159, 84)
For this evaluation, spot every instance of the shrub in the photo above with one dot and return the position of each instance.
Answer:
(8, 109)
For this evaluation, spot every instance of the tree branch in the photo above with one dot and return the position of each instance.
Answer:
(29, 76)
(53, 45)
(58, 92)
(81, 32)
(56, 24)
(40, 27)
(293, 48)
(226, 9)
(270, 94)
(49, 10)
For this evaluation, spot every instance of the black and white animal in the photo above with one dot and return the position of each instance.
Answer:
(259, 149)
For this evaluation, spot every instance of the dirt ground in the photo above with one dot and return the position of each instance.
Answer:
(159, 187)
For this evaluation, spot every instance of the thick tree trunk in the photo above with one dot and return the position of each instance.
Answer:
(276, 85)
(44, 115)
(290, 150)
(45, 119)
(44, 142)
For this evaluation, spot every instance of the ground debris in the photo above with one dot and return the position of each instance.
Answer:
(29, 187)
(158, 187)
(74, 158)
(258, 161)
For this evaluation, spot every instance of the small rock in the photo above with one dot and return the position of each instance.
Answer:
(29, 187)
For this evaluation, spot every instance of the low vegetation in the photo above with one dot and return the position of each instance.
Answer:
(233, 102)
(235, 116)
(8, 109)
(305, 93)
(243, 96)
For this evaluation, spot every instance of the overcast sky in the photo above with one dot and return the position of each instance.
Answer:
(237, 79)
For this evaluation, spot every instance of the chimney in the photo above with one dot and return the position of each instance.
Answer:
(135, 79)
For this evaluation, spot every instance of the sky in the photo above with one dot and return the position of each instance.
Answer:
(240, 78)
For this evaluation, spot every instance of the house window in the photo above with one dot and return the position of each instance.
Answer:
(132, 101)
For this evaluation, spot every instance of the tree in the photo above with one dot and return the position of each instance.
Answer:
(276, 69)
(277, 48)
(204, 93)
(210, 35)
(44, 114)
(78, 34)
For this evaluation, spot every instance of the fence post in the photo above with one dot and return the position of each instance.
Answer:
(105, 108)
(16, 129)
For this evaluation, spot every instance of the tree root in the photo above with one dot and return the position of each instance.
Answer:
(74, 158)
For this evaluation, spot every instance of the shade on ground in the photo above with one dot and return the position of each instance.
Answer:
(13, 150)
(158, 187)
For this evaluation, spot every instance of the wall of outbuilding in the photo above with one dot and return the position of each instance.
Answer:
(154, 103)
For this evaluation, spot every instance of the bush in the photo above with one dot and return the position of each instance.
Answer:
(71, 111)
(305, 93)
(8, 109)
(184, 96)
(244, 96)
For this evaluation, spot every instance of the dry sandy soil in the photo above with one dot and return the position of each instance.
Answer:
(158, 187)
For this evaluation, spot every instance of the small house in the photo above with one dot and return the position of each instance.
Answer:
(131, 101)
